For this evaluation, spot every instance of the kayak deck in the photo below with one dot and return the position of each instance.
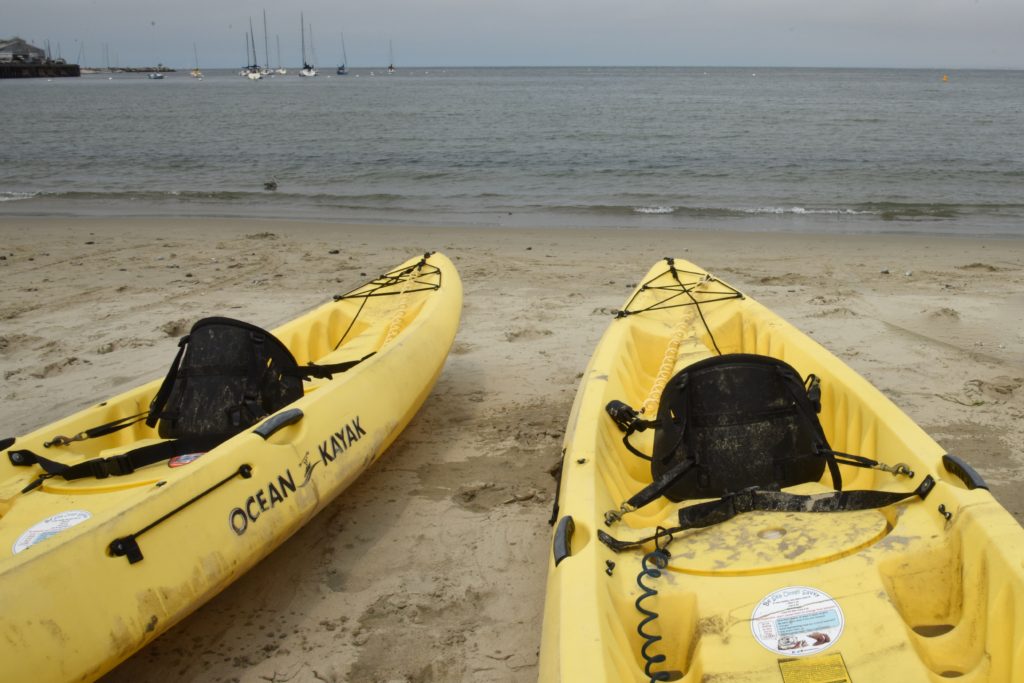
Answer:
(925, 590)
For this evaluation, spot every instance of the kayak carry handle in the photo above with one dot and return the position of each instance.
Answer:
(964, 472)
(563, 539)
(278, 422)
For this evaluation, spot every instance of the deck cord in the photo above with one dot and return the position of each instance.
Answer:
(668, 361)
(374, 289)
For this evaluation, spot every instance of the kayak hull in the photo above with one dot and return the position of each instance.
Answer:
(924, 590)
(75, 605)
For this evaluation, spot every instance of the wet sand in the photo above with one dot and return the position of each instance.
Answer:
(432, 566)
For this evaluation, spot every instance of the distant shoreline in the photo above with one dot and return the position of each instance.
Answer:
(127, 69)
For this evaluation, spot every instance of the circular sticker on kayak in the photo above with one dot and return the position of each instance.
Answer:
(51, 526)
(797, 621)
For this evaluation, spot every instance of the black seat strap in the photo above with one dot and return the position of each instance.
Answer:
(325, 371)
(164, 392)
(651, 492)
(114, 466)
(723, 509)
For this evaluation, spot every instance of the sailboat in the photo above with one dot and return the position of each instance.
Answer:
(280, 71)
(308, 69)
(343, 69)
(391, 60)
(252, 72)
(196, 73)
(154, 75)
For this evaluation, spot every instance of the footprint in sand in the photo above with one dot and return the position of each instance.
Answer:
(55, 368)
(840, 312)
(462, 348)
(945, 313)
(175, 328)
(526, 334)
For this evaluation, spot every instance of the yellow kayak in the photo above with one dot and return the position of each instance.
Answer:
(736, 504)
(113, 529)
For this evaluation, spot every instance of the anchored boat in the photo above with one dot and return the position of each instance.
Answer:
(737, 504)
(120, 520)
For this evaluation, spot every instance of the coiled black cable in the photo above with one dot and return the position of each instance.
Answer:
(652, 564)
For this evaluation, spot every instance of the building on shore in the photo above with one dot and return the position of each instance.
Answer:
(19, 59)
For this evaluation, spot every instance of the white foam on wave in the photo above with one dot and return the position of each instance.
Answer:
(15, 196)
(653, 209)
(801, 211)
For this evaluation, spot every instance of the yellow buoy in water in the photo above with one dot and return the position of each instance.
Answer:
(945, 78)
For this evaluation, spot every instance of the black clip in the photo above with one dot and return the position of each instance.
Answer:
(126, 547)
(21, 458)
(115, 466)
(623, 415)
(926, 487)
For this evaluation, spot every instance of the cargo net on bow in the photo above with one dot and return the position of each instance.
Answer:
(419, 277)
(676, 288)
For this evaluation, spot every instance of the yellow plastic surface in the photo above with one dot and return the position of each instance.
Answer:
(70, 610)
(921, 598)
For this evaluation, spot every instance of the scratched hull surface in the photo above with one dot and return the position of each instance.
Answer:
(922, 590)
(73, 607)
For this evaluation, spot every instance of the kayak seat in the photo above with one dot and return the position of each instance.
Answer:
(741, 420)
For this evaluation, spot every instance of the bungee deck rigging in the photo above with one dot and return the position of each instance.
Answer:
(420, 277)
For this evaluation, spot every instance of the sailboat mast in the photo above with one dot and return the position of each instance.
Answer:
(255, 61)
(278, 50)
(312, 47)
(302, 27)
(266, 43)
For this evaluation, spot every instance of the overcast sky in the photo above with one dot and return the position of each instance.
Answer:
(944, 34)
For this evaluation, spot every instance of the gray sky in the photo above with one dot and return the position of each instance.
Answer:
(944, 34)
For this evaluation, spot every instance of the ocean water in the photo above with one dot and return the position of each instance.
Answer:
(712, 148)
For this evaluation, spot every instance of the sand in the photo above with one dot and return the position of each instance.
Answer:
(432, 566)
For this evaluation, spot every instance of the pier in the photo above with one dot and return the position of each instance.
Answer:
(44, 70)
(19, 59)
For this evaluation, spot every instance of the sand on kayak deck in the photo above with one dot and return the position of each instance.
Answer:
(432, 566)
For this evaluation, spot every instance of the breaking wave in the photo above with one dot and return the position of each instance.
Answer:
(15, 196)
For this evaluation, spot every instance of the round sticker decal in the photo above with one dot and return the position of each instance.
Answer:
(797, 621)
(50, 526)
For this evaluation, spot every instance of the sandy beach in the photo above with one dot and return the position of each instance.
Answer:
(432, 567)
